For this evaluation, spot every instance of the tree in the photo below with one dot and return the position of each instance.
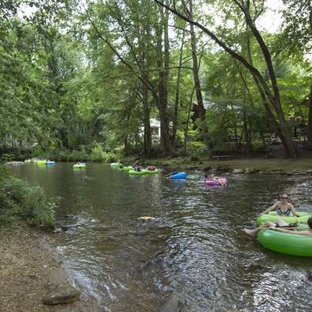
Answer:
(270, 91)
(298, 32)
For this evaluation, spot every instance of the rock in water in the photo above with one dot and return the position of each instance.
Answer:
(62, 293)
(172, 304)
(238, 171)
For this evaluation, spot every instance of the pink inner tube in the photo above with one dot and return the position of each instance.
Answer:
(218, 182)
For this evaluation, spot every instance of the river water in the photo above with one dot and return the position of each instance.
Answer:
(195, 247)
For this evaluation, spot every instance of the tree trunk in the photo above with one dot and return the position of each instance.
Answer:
(310, 118)
(198, 92)
(146, 113)
(177, 97)
(247, 136)
(188, 121)
(163, 65)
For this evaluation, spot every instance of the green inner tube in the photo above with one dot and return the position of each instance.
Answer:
(116, 165)
(290, 244)
(273, 217)
(143, 172)
(81, 166)
(133, 172)
(151, 171)
(126, 168)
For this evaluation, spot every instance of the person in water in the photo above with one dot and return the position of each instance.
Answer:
(283, 207)
(281, 226)
(136, 166)
(221, 181)
(304, 232)
(171, 173)
(217, 179)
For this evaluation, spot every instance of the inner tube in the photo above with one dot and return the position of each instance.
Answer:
(148, 171)
(116, 165)
(41, 162)
(134, 172)
(143, 172)
(179, 175)
(273, 217)
(289, 244)
(50, 163)
(216, 181)
(126, 168)
(80, 166)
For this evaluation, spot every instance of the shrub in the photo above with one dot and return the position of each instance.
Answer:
(77, 156)
(7, 157)
(18, 198)
(97, 153)
(197, 148)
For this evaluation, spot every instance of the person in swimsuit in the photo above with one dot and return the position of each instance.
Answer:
(283, 207)
(281, 226)
(304, 232)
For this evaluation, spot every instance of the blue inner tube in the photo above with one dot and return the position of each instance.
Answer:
(50, 163)
(179, 175)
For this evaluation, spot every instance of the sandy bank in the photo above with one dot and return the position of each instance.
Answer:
(28, 270)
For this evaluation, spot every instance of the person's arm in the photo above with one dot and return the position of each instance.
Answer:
(269, 209)
(293, 210)
(294, 232)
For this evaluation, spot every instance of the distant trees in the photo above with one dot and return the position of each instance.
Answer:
(268, 89)
(102, 74)
(298, 31)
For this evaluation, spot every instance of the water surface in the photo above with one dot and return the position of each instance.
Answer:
(195, 247)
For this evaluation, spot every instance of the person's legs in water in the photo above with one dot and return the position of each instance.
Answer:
(265, 225)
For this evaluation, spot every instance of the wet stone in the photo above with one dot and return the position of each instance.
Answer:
(61, 294)
(238, 171)
(173, 304)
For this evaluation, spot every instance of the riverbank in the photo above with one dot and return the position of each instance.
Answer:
(29, 270)
(247, 165)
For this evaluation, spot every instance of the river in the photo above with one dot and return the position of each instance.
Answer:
(195, 247)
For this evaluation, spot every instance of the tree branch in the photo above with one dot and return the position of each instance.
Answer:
(226, 48)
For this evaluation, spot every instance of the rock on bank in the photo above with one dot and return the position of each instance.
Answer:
(29, 271)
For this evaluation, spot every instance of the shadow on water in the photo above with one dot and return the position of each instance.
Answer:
(194, 247)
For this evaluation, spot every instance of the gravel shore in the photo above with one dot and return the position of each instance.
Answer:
(29, 269)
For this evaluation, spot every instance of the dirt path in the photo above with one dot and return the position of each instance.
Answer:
(28, 269)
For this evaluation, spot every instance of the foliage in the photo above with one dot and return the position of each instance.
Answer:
(298, 23)
(18, 198)
(197, 148)
(7, 157)
(73, 88)
(98, 154)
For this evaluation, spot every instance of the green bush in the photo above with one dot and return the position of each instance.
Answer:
(97, 153)
(18, 198)
(7, 157)
(78, 156)
(196, 148)
(94, 152)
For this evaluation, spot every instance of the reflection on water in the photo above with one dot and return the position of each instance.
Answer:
(194, 247)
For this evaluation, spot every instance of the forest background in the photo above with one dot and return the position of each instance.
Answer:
(81, 80)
